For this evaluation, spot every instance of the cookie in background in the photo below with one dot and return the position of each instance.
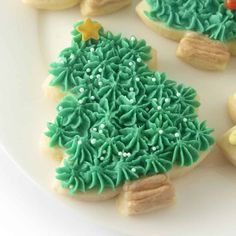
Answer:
(205, 30)
(87, 7)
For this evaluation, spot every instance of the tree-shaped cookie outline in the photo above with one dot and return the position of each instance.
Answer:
(122, 121)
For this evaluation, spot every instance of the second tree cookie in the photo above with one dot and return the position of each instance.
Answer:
(206, 29)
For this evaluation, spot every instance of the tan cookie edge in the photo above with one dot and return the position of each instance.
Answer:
(51, 4)
(87, 9)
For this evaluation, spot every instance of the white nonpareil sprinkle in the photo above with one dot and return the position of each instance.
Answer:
(71, 186)
(92, 97)
(161, 131)
(158, 108)
(132, 38)
(120, 153)
(91, 76)
(81, 90)
(133, 169)
(60, 108)
(100, 131)
(93, 140)
(100, 70)
(104, 151)
(131, 89)
(102, 126)
(128, 154)
(89, 61)
(95, 129)
(139, 59)
(98, 76)
(101, 158)
(137, 79)
(177, 135)
(80, 101)
(167, 100)
(178, 94)
(100, 83)
(92, 49)
(130, 63)
(131, 100)
(154, 148)
(185, 119)
(88, 70)
(79, 142)
(124, 154)
(154, 79)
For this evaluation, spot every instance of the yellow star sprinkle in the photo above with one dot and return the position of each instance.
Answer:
(89, 30)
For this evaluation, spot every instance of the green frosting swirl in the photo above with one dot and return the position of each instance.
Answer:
(209, 17)
(125, 123)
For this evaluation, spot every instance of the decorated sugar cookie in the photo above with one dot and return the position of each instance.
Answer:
(122, 129)
(88, 7)
(228, 142)
(206, 29)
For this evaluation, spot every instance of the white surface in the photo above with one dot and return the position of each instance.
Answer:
(29, 40)
(27, 211)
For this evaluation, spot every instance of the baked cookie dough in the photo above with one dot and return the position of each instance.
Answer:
(88, 7)
(228, 142)
(52, 4)
(206, 30)
(121, 128)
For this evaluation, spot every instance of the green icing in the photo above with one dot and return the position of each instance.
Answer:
(209, 17)
(122, 120)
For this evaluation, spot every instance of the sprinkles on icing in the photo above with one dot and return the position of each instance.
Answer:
(121, 120)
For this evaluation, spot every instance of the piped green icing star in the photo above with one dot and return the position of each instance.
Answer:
(121, 120)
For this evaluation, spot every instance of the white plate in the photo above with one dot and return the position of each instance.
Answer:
(30, 40)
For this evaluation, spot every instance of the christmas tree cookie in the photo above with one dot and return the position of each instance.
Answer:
(122, 129)
(88, 7)
(228, 142)
(206, 29)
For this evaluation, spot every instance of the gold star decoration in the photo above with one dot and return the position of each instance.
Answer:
(89, 30)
